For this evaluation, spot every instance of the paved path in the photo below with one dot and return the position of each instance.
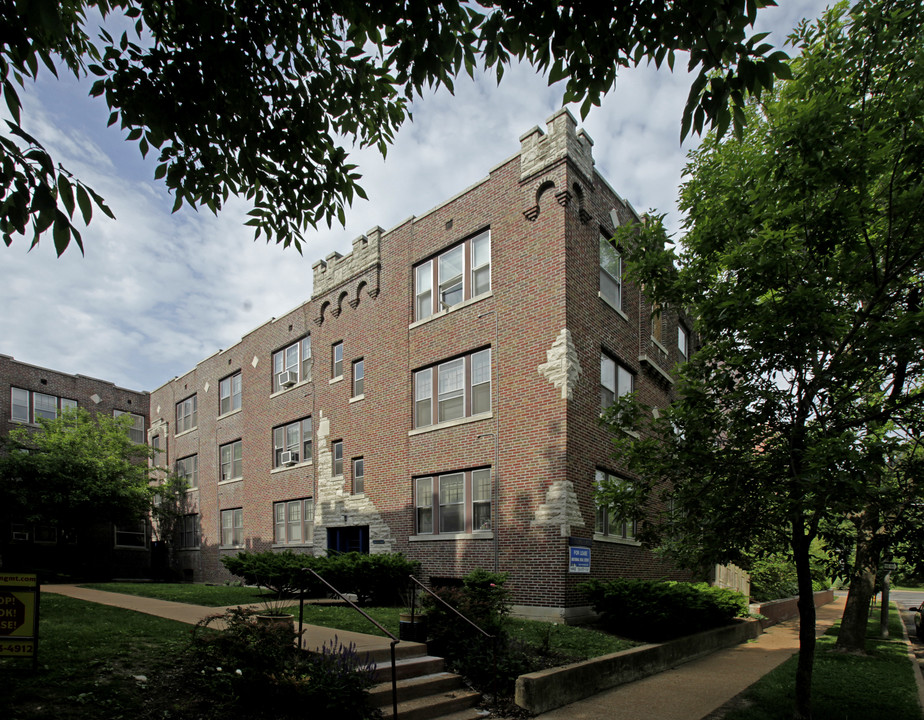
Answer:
(314, 636)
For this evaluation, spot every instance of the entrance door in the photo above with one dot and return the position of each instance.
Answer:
(348, 539)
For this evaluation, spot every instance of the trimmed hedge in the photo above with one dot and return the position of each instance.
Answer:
(657, 611)
(374, 579)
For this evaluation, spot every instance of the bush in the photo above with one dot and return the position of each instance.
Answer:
(255, 670)
(376, 579)
(658, 611)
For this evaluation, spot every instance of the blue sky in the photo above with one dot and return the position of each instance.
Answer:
(157, 292)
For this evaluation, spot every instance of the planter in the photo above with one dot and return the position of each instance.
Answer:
(275, 619)
(412, 628)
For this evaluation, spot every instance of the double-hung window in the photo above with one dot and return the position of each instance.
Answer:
(292, 364)
(293, 522)
(189, 531)
(229, 394)
(188, 469)
(683, 342)
(336, 360)
(359, 377)
(136, 429)
(337, 453)
(615, 381)
(232, 462)
(460, 273)
(28, 406)
(455, 502)
(294, 439)
(186, 415)
(610, 273)
(608, 523)
(453, 389)
(232, 527)
(359, 476)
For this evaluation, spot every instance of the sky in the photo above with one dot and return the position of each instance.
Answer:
(156, 292)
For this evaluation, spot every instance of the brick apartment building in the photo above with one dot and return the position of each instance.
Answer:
(439, 393)
(28, 393)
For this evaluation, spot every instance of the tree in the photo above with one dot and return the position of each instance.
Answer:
(259, 98)
(170, 508)
(802, 265)
(74, 472)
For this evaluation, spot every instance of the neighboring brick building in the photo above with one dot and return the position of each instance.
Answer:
(27, 393)
(439, 393)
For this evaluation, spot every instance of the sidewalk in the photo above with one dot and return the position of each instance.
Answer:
(695, 689)
(314, 636)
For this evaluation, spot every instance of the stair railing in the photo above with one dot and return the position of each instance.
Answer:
(460, 615)
(394, 640)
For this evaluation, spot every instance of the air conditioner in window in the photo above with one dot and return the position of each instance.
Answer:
(287, 379)
(288, 458)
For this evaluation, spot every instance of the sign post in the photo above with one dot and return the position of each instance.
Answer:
(19, 615)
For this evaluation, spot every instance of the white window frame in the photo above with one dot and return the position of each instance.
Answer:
(359, 377)
(616, 380)
(432, 284)
(232, 527)
(359, 476)
(188, 469)
(229, 394)
(289, 515)
(683, 341)
(22, 402)
(293, 358)
(303, 446)
(610, 285)
(432, 398)
(336, 452)
(26, 402)
(336, 360)
(234, 461)
(605, 521)
(136, 431)
(187, 414)
(432, 507)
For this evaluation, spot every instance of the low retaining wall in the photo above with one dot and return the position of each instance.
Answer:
(776, 611)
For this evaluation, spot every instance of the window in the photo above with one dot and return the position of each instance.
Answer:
(460, 273)
(188, 469)
(131, 534)
(232, 527)
(232, 464)
(610, 273)
(189, 531)
(359, 484)
(295, 360)
(337, 452)
(683, 341)
(607, 523)
(656, 323)
(229, 394)
(155, 445)
(615, 381)
(359, 375)
(293, 522)
(336, 364)
(186, 417)
(29, 406)
(136, 430)
(453, 502)
(461, 388)
(295, 439)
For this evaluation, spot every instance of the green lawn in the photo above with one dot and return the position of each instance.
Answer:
(877, 686)
(208, 595)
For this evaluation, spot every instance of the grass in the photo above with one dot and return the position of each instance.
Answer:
(845, 686)
(580, 643)
(207, 595)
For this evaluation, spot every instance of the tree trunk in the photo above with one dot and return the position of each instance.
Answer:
(884, 614)
(862, 583)
(806, 662)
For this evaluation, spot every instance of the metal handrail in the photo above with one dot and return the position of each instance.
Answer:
(394, 640)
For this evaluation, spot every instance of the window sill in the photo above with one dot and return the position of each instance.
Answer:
(631, 433)
(357, 398)
(192, 489)
(454, 308)
(24, 422)
(186, 432)
(617, 309)
(337, 379)
(481, 535)
(615, 540)
(130, 547)
(289, 389)
(296, 466)
(231, 547)
(231, 481)
(229, 414)
(283, 546)
(645, 360)
(451, 423)
(659, 345)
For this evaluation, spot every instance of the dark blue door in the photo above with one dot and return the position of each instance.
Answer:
(348, 539)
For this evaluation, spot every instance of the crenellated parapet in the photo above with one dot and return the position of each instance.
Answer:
(346, 277)
(539, 150)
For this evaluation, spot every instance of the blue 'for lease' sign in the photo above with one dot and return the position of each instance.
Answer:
(580, 560)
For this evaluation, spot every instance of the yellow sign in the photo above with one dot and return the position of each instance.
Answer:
(18, 614)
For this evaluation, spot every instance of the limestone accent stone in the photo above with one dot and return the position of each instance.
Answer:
(96, 398)
(335, 508)
(336, 269)
(255, 361)
(206, 387)
(540, 149)
(560, 508)
(562, 367)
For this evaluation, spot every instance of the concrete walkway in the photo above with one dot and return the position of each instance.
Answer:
(314, 636)
(696, 689)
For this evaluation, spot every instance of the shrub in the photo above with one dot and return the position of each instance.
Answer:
(659, 611)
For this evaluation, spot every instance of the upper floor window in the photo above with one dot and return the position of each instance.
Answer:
(293, 522)
(683, 342)
(458, 274)
(337, 452)
(359, 476)
(186, 415)
(232, 462)
(229, 394)
(607, 521)
(29, 406)
(336, 360)
(188, 469)
(136, 430)
(292, 443)
(158, 452)
(453, 502)
(615, 381)
(359, 377)
(292, 364)
(656, 323)
(454, 389)
(232, 527)
(610, 273)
